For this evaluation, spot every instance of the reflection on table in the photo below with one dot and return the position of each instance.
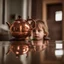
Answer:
(53, 54)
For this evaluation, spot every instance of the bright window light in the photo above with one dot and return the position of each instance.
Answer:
(58, 45)
(58, 53)
(58, 16)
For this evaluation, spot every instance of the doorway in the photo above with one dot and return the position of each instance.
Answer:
(55, 27)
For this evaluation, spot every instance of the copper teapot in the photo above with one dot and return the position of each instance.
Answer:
(20, 28)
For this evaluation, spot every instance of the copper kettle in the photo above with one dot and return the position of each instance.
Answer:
(20, 28)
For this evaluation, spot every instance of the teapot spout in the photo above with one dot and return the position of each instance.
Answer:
(8, 24)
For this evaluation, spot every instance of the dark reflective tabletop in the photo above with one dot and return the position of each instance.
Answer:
(53, 54)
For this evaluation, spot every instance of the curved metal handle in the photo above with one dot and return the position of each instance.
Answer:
(8, 24)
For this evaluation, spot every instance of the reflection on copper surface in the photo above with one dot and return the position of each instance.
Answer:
(20, 28)
(18, 48)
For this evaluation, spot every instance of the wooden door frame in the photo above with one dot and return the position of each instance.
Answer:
(44, 9)
(44, 3)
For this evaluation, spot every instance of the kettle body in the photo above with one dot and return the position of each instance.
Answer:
(19, 28)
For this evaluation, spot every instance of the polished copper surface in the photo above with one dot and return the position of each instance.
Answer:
(20, 28)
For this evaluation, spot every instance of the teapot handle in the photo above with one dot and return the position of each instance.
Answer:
(31, 22)
(8, 24)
